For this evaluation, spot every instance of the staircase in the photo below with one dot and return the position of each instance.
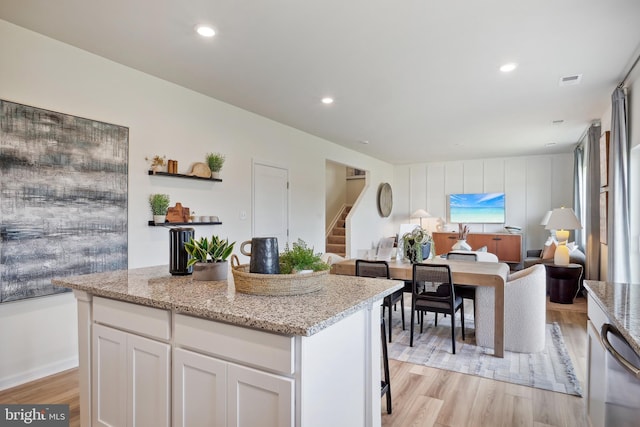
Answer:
(336, 242)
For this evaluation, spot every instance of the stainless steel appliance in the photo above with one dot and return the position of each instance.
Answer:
(622, 391)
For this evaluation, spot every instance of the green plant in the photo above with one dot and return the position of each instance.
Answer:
(413, 242)
(159, 203)
(205, 250)
(215, 161)
(300, 257)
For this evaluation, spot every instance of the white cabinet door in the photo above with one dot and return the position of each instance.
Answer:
(596, 377)
(199, 390)
(109, 377)
(257, 398)
(131, 380)
(149, 382)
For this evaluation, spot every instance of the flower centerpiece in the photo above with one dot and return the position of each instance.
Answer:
(209, 257)
(300, 259)
(415, 243)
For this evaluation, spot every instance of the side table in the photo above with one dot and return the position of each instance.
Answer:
(563, 282)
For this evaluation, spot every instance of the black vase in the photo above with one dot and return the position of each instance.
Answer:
(178, 256)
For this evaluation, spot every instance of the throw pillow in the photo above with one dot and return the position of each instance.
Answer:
(549, 251)
(572, 246)
(482, 249)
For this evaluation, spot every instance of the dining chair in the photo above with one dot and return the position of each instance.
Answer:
(465, 291)
(385, 383)
(377, 269)
(442, 300)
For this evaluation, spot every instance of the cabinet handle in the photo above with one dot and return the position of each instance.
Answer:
(497, 238)
(452, 237)
(606, 328)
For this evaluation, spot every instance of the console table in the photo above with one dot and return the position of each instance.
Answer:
(506, 246)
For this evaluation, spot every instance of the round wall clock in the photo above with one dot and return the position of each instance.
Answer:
(385, 200)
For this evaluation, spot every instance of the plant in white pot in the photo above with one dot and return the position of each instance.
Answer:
(159, 203)
(209, 257)
(300, 259)
(215, 162)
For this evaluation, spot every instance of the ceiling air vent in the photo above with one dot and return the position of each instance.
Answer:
(570, 80)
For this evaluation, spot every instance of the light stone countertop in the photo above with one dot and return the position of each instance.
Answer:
(621, 302)
(302, 315)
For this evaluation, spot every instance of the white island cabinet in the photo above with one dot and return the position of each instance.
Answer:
(157, 350)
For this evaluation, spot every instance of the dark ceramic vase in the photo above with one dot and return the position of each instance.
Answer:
(178, 256)
(265, 258)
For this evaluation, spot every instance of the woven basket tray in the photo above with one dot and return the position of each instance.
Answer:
(275, 284)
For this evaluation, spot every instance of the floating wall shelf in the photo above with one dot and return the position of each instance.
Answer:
(179, 175)
(171, 224)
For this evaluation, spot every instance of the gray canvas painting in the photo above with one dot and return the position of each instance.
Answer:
(63, 199)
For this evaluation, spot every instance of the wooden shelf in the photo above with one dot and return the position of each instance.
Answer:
(170, 224)
(179, 175)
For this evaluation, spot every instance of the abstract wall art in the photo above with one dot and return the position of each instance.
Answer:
(63, 198)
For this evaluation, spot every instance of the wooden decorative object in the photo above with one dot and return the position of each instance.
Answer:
(178, 213)
(200, 169)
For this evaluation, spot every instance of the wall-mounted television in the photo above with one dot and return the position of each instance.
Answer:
(477, 208)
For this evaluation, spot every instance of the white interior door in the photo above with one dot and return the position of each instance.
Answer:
(271, 202)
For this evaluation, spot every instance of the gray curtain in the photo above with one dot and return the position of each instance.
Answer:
(579, 191)
(618, 268)
(591, 204)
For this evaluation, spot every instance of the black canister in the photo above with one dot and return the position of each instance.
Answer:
(178, 256)
(264, 255)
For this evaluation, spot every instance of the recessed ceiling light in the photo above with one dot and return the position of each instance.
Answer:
(557, 122)
(205, 31)
(507, 68)
(363, 141)
(327, 100)
(550, 144)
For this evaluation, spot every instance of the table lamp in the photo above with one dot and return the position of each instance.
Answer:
(420, 213)
(545, 220)
(562, 220)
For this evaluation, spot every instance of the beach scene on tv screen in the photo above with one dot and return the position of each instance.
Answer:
(476, 208)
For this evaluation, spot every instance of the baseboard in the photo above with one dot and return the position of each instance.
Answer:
(41, 372)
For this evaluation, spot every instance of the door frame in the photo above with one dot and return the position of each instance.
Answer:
(255, 162)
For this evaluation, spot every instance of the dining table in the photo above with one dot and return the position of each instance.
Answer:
(492, 274)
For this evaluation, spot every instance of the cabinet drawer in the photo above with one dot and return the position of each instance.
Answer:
(247, 346)
(597, 316)
(139, 319)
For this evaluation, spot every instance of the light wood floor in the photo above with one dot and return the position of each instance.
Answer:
(422, 396)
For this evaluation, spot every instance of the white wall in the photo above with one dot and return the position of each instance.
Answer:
(165, 119)
(354, 188)
(336, 191)
(532, 185)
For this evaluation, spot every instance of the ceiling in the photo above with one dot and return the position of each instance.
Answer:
(417, 79)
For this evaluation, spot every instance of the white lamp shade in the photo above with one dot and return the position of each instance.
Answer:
(546, 217)
(563, 219)
(420, 213)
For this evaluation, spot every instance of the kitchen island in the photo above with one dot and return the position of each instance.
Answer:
(162, 350)
(614, 320)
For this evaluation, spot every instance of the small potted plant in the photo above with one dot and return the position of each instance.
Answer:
(300, 259)
(159, 204)
(156, 162)
(215, 162)
(209, 257)
(416, 244)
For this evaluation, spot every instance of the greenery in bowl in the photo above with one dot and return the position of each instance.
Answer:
(300, 257)
(205, 250)
(159, 204)
(414, 241)
(215, 161)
